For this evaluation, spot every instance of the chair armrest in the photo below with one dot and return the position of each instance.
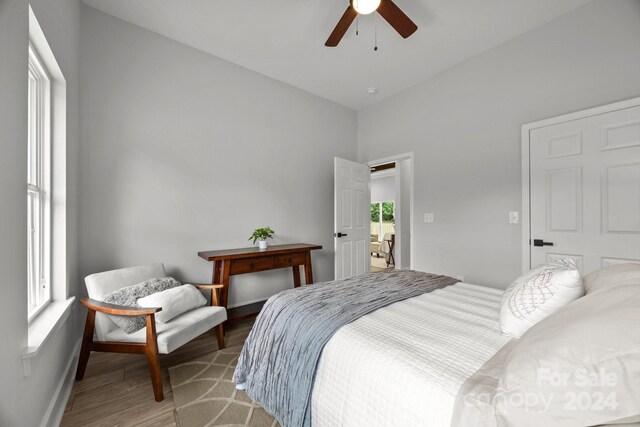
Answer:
(118, 310)
(214, 288)
(209, 286)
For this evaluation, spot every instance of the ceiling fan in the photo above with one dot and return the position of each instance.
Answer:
(386, 8)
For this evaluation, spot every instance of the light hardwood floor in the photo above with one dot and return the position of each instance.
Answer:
(379, 264)
(116, 389)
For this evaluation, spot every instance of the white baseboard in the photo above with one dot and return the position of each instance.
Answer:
(55, 411)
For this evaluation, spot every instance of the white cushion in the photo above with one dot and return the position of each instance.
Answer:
(178, 331)
(537, 294)
(614, 275)
(578, 367)
(174, 301)
(100, 285)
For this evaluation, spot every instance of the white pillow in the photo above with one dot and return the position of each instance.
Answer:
(614, 275)
(537, 294)
(581, 365)
(174, 301)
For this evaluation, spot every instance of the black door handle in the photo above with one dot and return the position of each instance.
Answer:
(540, 242)
(339, 234)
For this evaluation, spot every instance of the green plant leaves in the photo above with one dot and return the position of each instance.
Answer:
(263, 233)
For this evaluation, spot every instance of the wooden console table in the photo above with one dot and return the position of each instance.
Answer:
(230, 262)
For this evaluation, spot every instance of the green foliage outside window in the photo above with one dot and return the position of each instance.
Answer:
(387, 212)
(375, 212)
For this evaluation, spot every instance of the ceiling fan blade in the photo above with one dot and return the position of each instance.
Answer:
(398, 20)
(343, 25)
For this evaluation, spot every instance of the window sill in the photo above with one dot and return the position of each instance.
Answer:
(42, 328)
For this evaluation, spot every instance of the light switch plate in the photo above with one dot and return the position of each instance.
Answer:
(514, 217)
(428, 217)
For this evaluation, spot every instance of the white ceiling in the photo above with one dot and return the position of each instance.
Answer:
(284, 39)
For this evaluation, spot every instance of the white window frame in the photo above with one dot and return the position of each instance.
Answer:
(39, 186)
(49, 317)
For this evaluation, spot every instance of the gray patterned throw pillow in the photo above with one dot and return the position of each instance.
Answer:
(129, 296)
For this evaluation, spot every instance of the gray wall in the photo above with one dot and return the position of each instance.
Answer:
(23, 401)
(184, 152)
(464, 127)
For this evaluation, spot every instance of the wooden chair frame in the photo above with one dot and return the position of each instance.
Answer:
(149, 348)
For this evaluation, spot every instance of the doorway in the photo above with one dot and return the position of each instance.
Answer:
(383, 198)
(352, 216)
(391, 212)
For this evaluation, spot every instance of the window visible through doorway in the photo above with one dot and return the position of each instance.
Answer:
(382, 218)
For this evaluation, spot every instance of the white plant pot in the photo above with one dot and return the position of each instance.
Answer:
(262, 244)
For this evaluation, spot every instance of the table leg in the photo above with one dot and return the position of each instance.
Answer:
(221, 270)
(224, 281)
(296, 276)
(393, 258)
(216, 271)
(308, 272)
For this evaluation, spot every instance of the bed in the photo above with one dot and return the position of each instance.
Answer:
(406, 348)
(419, 353)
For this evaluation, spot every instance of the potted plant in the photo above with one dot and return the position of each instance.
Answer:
(261, 235)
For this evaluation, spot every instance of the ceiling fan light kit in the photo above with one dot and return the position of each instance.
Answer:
(365, 7)
(386, 8)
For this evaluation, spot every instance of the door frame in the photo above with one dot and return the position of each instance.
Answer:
(396, 158)
(526, 146)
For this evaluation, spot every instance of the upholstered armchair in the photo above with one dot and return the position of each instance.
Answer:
(102, 334)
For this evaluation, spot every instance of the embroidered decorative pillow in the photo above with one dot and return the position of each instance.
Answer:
(129, 296)
(537, 294)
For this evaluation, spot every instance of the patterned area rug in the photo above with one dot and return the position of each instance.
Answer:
(204, 394)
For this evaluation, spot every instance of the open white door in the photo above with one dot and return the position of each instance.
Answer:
(585, 190)
(352, 215)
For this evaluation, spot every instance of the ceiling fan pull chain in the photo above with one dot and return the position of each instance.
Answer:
(357, 26)
(375, 32)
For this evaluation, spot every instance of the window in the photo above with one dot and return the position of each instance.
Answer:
(382, 218)
(38, 186)
(49, 304)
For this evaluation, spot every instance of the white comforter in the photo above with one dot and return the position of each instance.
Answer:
(402, 365)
